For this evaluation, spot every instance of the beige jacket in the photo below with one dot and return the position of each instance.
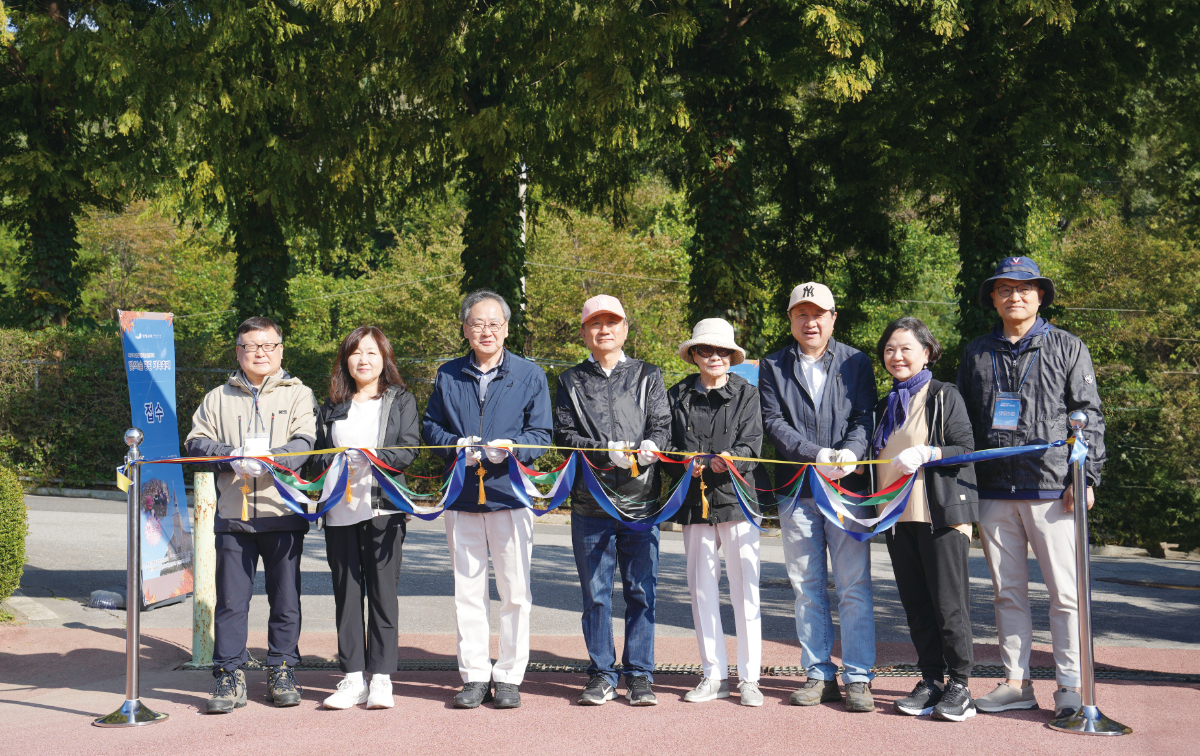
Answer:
(284, 408)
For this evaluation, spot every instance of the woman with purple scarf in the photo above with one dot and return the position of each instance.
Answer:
(919, 421)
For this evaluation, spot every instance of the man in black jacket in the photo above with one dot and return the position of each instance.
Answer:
(1020, 382)
(613, 403)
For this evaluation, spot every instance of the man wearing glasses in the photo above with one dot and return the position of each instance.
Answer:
(486, 404)
(260, 410)
(1020, 383)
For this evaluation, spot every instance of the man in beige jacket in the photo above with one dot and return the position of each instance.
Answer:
(260, 410)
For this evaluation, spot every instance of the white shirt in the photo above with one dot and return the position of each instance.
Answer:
(360, 430)
(813, 369)
(608, 371)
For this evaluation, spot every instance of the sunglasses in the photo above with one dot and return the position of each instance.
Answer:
(708, 351)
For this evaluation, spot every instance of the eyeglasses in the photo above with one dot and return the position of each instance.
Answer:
(252, 348)
(1004, 292)
(708, 351)
(478, 328)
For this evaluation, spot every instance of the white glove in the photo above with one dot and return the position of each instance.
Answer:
(251, 468)
(497, 455)
(843, 456)
(909, 460)
(358, 461)
(825, 457)
(720, 465)
(473, 454)
(646, 453)
(619, 458)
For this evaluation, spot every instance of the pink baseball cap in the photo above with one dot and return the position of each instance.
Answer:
(601, 303)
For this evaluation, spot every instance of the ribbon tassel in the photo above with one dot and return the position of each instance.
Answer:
(633, 465)
(482, 495)
(245, 503)
(703, 496)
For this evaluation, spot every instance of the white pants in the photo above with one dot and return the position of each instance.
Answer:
(508, 535)
(738, 542)
(1008, 528)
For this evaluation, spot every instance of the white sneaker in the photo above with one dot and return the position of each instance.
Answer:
(708, 689)
(348, 693)
(380, 696)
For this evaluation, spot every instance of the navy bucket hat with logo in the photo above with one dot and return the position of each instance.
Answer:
(1017, 269)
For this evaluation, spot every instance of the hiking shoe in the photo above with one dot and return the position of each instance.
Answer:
(348, 693)
(751, 695)
(637, 690)
(473, 694)
(1066, 703)
(956, 704)
(815, 692)
(859, 698)
(708, 689)
(228, 693)
(282, 687)
(507, 696)
(380, 694)
(598, 691)
(921, 701)
(1006, 698)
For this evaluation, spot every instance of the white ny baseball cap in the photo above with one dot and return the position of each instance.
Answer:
(818, 294)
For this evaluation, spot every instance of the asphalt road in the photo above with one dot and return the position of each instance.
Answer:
(78, 545)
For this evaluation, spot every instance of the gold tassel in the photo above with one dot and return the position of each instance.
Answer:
(245, 503)
(633, 464)
(482, 497)
(348, 485)
(703, 496)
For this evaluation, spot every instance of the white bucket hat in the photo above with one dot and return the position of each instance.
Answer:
(716, 332)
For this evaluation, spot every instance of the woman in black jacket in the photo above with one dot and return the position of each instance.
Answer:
(715, 412)
(368, 408)
(922, 420)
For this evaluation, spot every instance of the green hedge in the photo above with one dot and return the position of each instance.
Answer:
(13, 526)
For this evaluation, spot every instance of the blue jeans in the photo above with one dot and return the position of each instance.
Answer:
(806, 535)
(601, 543)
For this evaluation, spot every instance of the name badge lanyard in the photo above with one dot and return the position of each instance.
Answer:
(1007, 411)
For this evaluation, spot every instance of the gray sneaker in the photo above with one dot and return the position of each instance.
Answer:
(751, 695)
(815, 692)
(229, 692)
(1007, 698)
(859, 698)
(1066, 703)
(708, 689)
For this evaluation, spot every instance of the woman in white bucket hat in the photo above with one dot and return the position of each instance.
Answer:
(716, 412)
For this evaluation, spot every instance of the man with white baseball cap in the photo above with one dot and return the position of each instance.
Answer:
(817, 396)
(614, 403)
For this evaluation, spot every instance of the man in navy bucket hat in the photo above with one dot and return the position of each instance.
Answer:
(1020, 382)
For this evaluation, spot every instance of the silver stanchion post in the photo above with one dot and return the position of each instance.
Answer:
(1089, 720)
(133, 712)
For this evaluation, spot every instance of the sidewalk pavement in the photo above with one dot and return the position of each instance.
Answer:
(60, 672)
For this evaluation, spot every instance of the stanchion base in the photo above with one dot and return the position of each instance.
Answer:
(131, 714)
(1089, 720)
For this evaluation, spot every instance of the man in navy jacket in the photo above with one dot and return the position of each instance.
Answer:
(817, 396)
(484, 403)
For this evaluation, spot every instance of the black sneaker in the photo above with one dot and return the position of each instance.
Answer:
(921, 701)
(507, 696)
(473, 694)
(228, 693)
(956, 704)
(597, 692)
(637, 690)
(282, 687)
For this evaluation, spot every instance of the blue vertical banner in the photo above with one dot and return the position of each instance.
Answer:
(148, 339)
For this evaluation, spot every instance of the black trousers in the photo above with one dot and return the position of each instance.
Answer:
(237, 563)
(365, 561)
(934, 585)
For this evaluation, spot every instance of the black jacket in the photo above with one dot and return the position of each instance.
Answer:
(844, 422)
(1061, 381)
(729, 419)
(399, 425)
(591, 409)
(950, 490)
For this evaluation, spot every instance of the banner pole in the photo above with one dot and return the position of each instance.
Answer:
(133, 712)
(1088, 720)
(204, 569)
